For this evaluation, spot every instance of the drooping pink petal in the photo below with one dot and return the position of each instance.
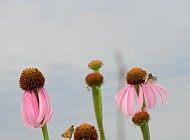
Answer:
(162, 88)
(164, 91)
(46, 109)
(124, 103)
(151, 94)
(126, 97)
(49, 106)
(42, 107)
(36, 112)
(34, 103)
(158, 92)
(140, 99)
(119, 96)
(146, 96)
(130, 100)
(30, 112)
(23, 109)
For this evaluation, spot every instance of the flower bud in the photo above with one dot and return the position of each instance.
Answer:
(94, 79)
(141, 118)
(95, 65)
(85, 132)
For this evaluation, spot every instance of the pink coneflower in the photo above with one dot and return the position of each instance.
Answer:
(142, 89)
(36, 107)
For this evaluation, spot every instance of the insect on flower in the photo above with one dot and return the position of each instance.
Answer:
(149, 78)
(142, 88)
(68, 134)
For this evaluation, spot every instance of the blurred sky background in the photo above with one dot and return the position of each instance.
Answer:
(60, 37)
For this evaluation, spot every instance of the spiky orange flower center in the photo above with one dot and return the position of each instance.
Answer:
(94, 79)
(140, 118)
(85, 132)
(31, 78)
(136, 76)
(95, 64)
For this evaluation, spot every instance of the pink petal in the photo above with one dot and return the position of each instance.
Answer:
(42, 107)
(34, 103)
(151, 95)
(140, 99)
(120, 96)
(130, 100)
(30, 112)
(124, 104)
(146, 96)
(49, 110)
(154, 88)
(23, 109)
(164, 91)
(36, 113)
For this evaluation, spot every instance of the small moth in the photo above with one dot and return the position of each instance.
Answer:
(68, 134)
(149, 78)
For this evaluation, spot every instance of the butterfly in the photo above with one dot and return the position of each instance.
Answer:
(68, 134)
(149, 78)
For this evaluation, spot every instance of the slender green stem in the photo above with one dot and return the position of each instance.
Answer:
(145, 131)
(96, 70)
(145, 127)
(97, 99)
(45, 132)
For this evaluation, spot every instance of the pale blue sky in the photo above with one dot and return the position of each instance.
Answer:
(60, 37)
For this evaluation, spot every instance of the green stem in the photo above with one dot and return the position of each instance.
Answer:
(97, 99)
(145, 127)
(145, 131)
(45, 132)
(96, 71)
